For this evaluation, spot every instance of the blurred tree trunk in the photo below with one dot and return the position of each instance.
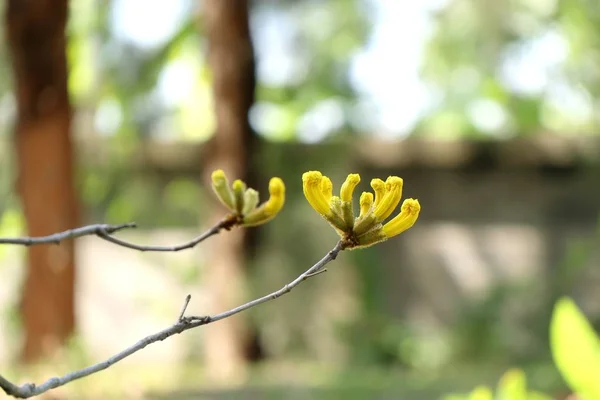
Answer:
(231, 60)
(35, 32)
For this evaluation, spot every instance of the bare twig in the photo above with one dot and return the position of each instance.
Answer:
(226, 223)
(105, 231)
(185, 305)
(56, 238)
(183, 324)
(317, 272)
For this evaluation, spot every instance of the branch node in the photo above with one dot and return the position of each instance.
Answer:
(205, 319)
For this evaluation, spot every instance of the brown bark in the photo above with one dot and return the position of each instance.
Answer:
(35, 32)
(231, 59)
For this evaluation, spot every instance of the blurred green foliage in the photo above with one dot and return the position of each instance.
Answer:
(512, 386)
(529, 65)
(323, 40)
(576, 349)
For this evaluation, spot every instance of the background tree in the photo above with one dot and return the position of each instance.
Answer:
(35, 34)
(231, 62)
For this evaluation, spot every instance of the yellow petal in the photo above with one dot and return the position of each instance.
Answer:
(327, 187)
(348, 187)
(277, 199)
(366, 201)
(379, 188)
(393, 194)
(407, 218)
(311, 184)
(268, 210)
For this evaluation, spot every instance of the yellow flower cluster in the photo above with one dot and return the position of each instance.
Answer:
(243, 201)
(365, 230)
(368, 228)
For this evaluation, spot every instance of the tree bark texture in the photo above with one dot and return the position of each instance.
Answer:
(35, 31)
(231, 60)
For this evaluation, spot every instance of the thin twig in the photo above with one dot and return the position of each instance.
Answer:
(56, 238)
(105, 231)
(223, 224)
(320, 271)
(183, 324)
(185, 305)
(284, 290)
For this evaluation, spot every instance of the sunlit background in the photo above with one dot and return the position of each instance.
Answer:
(488, 109)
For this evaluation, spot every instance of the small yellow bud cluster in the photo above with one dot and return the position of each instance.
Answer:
(243, 201)
(368, 228)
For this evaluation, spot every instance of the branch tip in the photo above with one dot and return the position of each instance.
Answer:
(317, 272)
(186, 302)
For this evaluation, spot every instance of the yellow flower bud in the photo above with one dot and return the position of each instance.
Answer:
(220, 185)
(277, 196)
(239, 188)
(251, 199)
(311, 184)
(327, 187)
(348, 187)
(367, 229)
(379, 188)
(269, 209)
(393, 194)
(366, 201)
(408, 216)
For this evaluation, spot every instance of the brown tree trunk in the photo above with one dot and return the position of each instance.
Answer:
(231, 59)
(35, 31)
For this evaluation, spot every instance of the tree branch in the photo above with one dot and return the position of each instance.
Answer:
(224, 224)
(105, 231)
(183, 324)
(56, 238)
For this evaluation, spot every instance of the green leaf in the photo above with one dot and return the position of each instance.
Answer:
(575, 349)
